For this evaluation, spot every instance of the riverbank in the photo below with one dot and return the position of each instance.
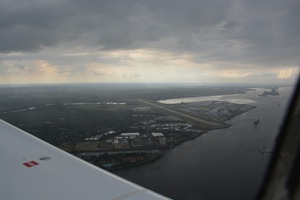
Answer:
(112, 162)
(212, 111)
(114, 159)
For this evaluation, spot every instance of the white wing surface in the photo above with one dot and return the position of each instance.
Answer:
(32, 169)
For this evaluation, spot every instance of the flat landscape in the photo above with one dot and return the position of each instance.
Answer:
(114, 118)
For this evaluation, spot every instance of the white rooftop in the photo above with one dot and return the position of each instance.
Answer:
(157, 134)
(130, 134)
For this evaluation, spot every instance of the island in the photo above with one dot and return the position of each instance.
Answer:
(273, 92)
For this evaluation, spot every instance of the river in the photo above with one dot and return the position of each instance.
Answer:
(221, 164)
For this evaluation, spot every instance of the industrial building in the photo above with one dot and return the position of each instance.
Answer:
(160, 138)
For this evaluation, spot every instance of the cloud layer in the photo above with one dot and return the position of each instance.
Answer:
(126, 40)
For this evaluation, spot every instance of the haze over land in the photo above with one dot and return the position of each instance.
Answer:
(205, 41)
(78, 111)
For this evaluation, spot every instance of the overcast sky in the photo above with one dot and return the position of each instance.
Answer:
(198, 41)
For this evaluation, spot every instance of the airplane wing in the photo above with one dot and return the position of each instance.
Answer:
(33, 169)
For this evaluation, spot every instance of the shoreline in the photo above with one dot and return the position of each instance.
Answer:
(149, 150)
(136, 164)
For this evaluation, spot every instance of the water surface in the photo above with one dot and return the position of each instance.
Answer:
(222, 164)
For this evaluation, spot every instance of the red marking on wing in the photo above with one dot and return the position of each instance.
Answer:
(30, 163)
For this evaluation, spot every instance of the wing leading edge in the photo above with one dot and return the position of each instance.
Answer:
(33, 169)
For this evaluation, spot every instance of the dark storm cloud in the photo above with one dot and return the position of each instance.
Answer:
(30, 25)
(265, 32)
(269, 29)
